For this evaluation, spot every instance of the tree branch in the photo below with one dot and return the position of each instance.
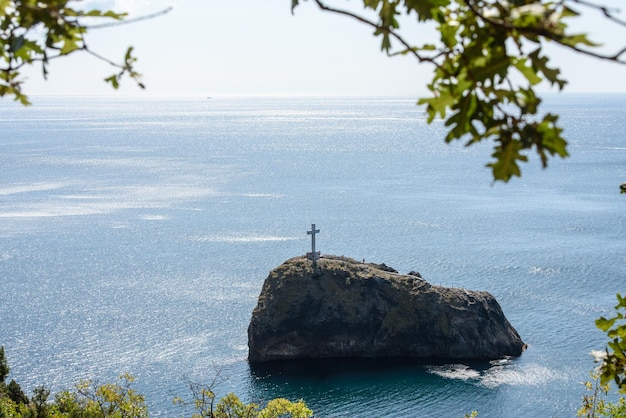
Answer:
(408, 48)
(545, 34)
(603, 9)
(128, 21)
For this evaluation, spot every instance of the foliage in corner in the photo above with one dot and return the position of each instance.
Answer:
(488, 58)
(611, 369)
(37, 31)
(487, 62)
(613, 365)
(121, 400)
(595, 404)
(88, 400)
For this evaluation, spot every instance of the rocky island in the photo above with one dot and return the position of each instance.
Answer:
(337, 307)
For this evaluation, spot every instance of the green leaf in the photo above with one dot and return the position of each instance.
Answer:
(17, 42)
(605, 324)
(128, 58)
(448, 33)
(491, 68)
(113, 80)
(92, 13)
(462, 118)
(569, 12)
(372, 4)
(578, 39)
(114, 15)
(437, 105)
(540, 63)
(70, 45)
(428, 47)
(425, 9)
(4, 4)
(386, 43)
(527, 72)
(506, 156)
(551, 138)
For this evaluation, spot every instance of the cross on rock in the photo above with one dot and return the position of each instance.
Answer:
(313, 255)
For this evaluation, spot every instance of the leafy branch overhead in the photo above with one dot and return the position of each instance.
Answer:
(488, 59)
(35, 32)
(487, 62)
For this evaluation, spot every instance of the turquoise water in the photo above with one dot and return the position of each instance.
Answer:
(136, 235)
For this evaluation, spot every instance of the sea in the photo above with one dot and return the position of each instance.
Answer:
(136, 233)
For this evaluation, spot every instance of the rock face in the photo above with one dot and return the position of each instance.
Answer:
(343, 308)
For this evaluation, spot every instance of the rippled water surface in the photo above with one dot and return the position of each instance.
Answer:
(136, 235)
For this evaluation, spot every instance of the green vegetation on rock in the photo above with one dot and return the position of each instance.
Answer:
(611, 369)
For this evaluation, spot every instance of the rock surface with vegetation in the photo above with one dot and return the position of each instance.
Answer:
(342, 308)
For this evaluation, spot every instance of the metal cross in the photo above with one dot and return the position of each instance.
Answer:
(313, 255)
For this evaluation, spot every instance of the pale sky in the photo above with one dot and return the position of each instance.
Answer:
(257, 47)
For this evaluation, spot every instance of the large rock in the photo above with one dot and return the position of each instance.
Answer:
(339, 307)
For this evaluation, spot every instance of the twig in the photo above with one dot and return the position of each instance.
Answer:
(603, 9)
(128, 21)
(408, 47)
(546, 34)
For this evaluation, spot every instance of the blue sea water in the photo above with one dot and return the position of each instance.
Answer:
(135, 235)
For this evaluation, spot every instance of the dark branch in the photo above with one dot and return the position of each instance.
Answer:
(545, 34)
(101, 58)
(608, 13)
(408, 48)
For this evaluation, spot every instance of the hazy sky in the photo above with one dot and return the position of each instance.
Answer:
(257, 47)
